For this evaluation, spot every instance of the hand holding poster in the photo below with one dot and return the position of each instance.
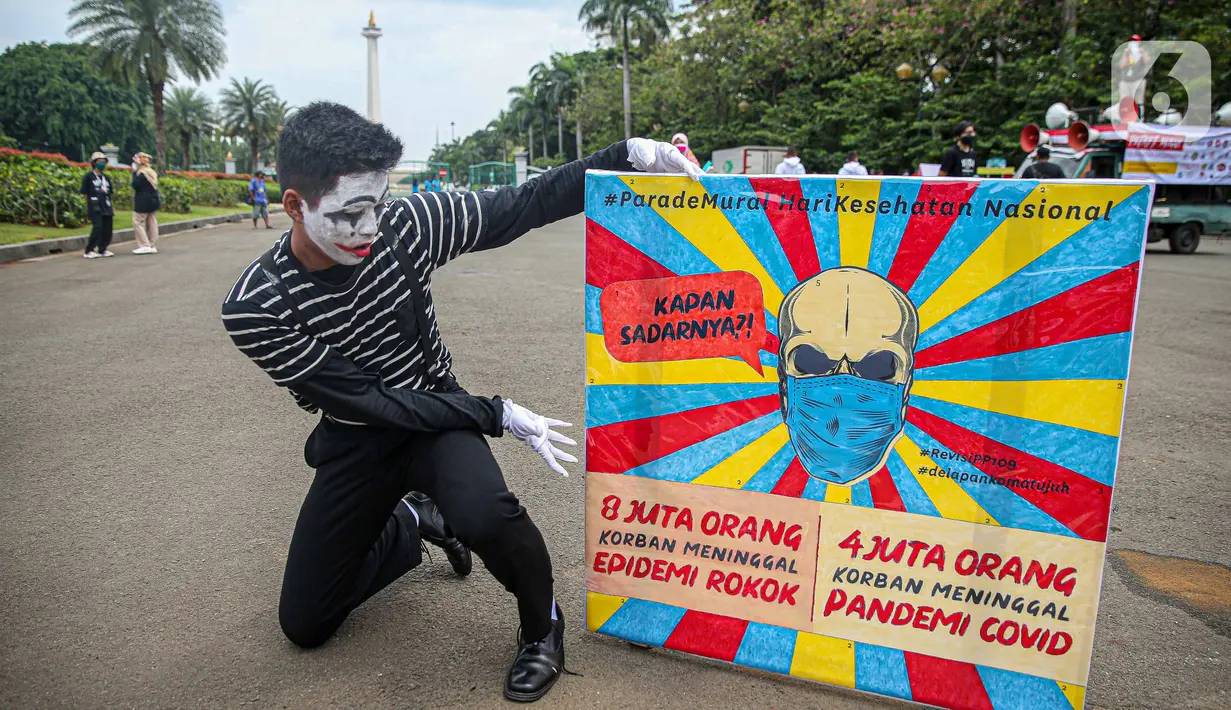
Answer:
(908, 492)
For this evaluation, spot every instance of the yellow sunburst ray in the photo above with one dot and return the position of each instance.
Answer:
(855, 228)
(824, 658)
(1093, 405)
(1014, 244)
(735, 470)
(708, 230)
(951, 501)
(1075, 694)
(838, 494)
(600, 608)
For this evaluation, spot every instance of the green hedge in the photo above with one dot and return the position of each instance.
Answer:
(38, 191)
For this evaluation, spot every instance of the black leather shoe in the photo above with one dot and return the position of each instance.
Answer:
(537, 665)
(432, 528)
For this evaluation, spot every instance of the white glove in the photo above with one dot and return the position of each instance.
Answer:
(535, 430)
(656, 157)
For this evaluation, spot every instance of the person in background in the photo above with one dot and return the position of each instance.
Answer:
(790, 164)
(1042, 168)
(145, 205)
(961, 160)
(679, 140)
(97, 190)
(260, 202)
(852, 166)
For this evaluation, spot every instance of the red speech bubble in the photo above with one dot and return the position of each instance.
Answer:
(685, 318)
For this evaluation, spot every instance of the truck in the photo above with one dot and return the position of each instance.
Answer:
(1192, 196)
(748, 160)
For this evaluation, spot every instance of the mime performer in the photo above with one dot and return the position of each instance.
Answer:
(340, 312)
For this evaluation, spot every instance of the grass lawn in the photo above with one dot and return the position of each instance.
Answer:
(15, 233)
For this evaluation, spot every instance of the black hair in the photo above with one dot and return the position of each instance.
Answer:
(852, 156)
(323, 141)
(1043, 153)
(962, 126)
(260, 173)
(790, 151)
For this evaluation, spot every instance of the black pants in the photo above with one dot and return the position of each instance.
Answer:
(354, 537)
(100, 234)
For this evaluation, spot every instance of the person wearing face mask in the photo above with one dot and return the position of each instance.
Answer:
(96, 187)
(680, 141)
(961, 160)
(340, 312)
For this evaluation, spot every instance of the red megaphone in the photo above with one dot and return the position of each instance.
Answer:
(1032, 136)
(1081, 135)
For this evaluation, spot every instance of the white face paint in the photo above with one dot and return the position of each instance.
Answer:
(345, 221)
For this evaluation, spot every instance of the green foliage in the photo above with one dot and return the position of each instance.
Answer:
(821, 75)
(52, 98)
(35, 191)
(153, 42)
(251, 109)
(221, 193)
(625, 22)
(176, 194)
(189, 115)
(554, 161)
(39, 191)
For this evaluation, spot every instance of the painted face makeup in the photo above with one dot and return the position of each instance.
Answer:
(345, 221)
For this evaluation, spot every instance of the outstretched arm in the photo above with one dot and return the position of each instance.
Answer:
(455, 223)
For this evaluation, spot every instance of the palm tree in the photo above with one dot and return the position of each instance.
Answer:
(566, 83)
(522, 111)
(279, 111)
(612, 18)
(189, 113)
(246, 112)
(557, 84)
(541, 86)
(154, 41)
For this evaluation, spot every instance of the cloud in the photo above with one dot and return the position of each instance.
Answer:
(440, 62)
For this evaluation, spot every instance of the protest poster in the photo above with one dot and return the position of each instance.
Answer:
(861, 431)
(1178, 155)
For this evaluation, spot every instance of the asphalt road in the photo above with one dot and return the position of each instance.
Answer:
(150, 477)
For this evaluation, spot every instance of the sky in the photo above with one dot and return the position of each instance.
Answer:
(441, 61)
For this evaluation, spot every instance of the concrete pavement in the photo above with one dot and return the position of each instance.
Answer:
(150, 477)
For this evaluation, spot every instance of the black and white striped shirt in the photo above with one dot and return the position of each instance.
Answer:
(358, 318)
(360, 328)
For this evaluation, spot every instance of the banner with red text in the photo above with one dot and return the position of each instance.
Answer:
(859, 431)
(1180, 155)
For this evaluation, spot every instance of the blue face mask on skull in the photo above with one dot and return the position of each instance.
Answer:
(842, 425)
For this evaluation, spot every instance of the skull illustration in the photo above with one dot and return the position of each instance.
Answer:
(845, 366)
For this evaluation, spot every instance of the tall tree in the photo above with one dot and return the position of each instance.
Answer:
(154, 41)
(613, 18)
(53, 98)
(542, 86)
(189, 115)
(279, 112)
(246, 111)
(523, 111)
(559, 82)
